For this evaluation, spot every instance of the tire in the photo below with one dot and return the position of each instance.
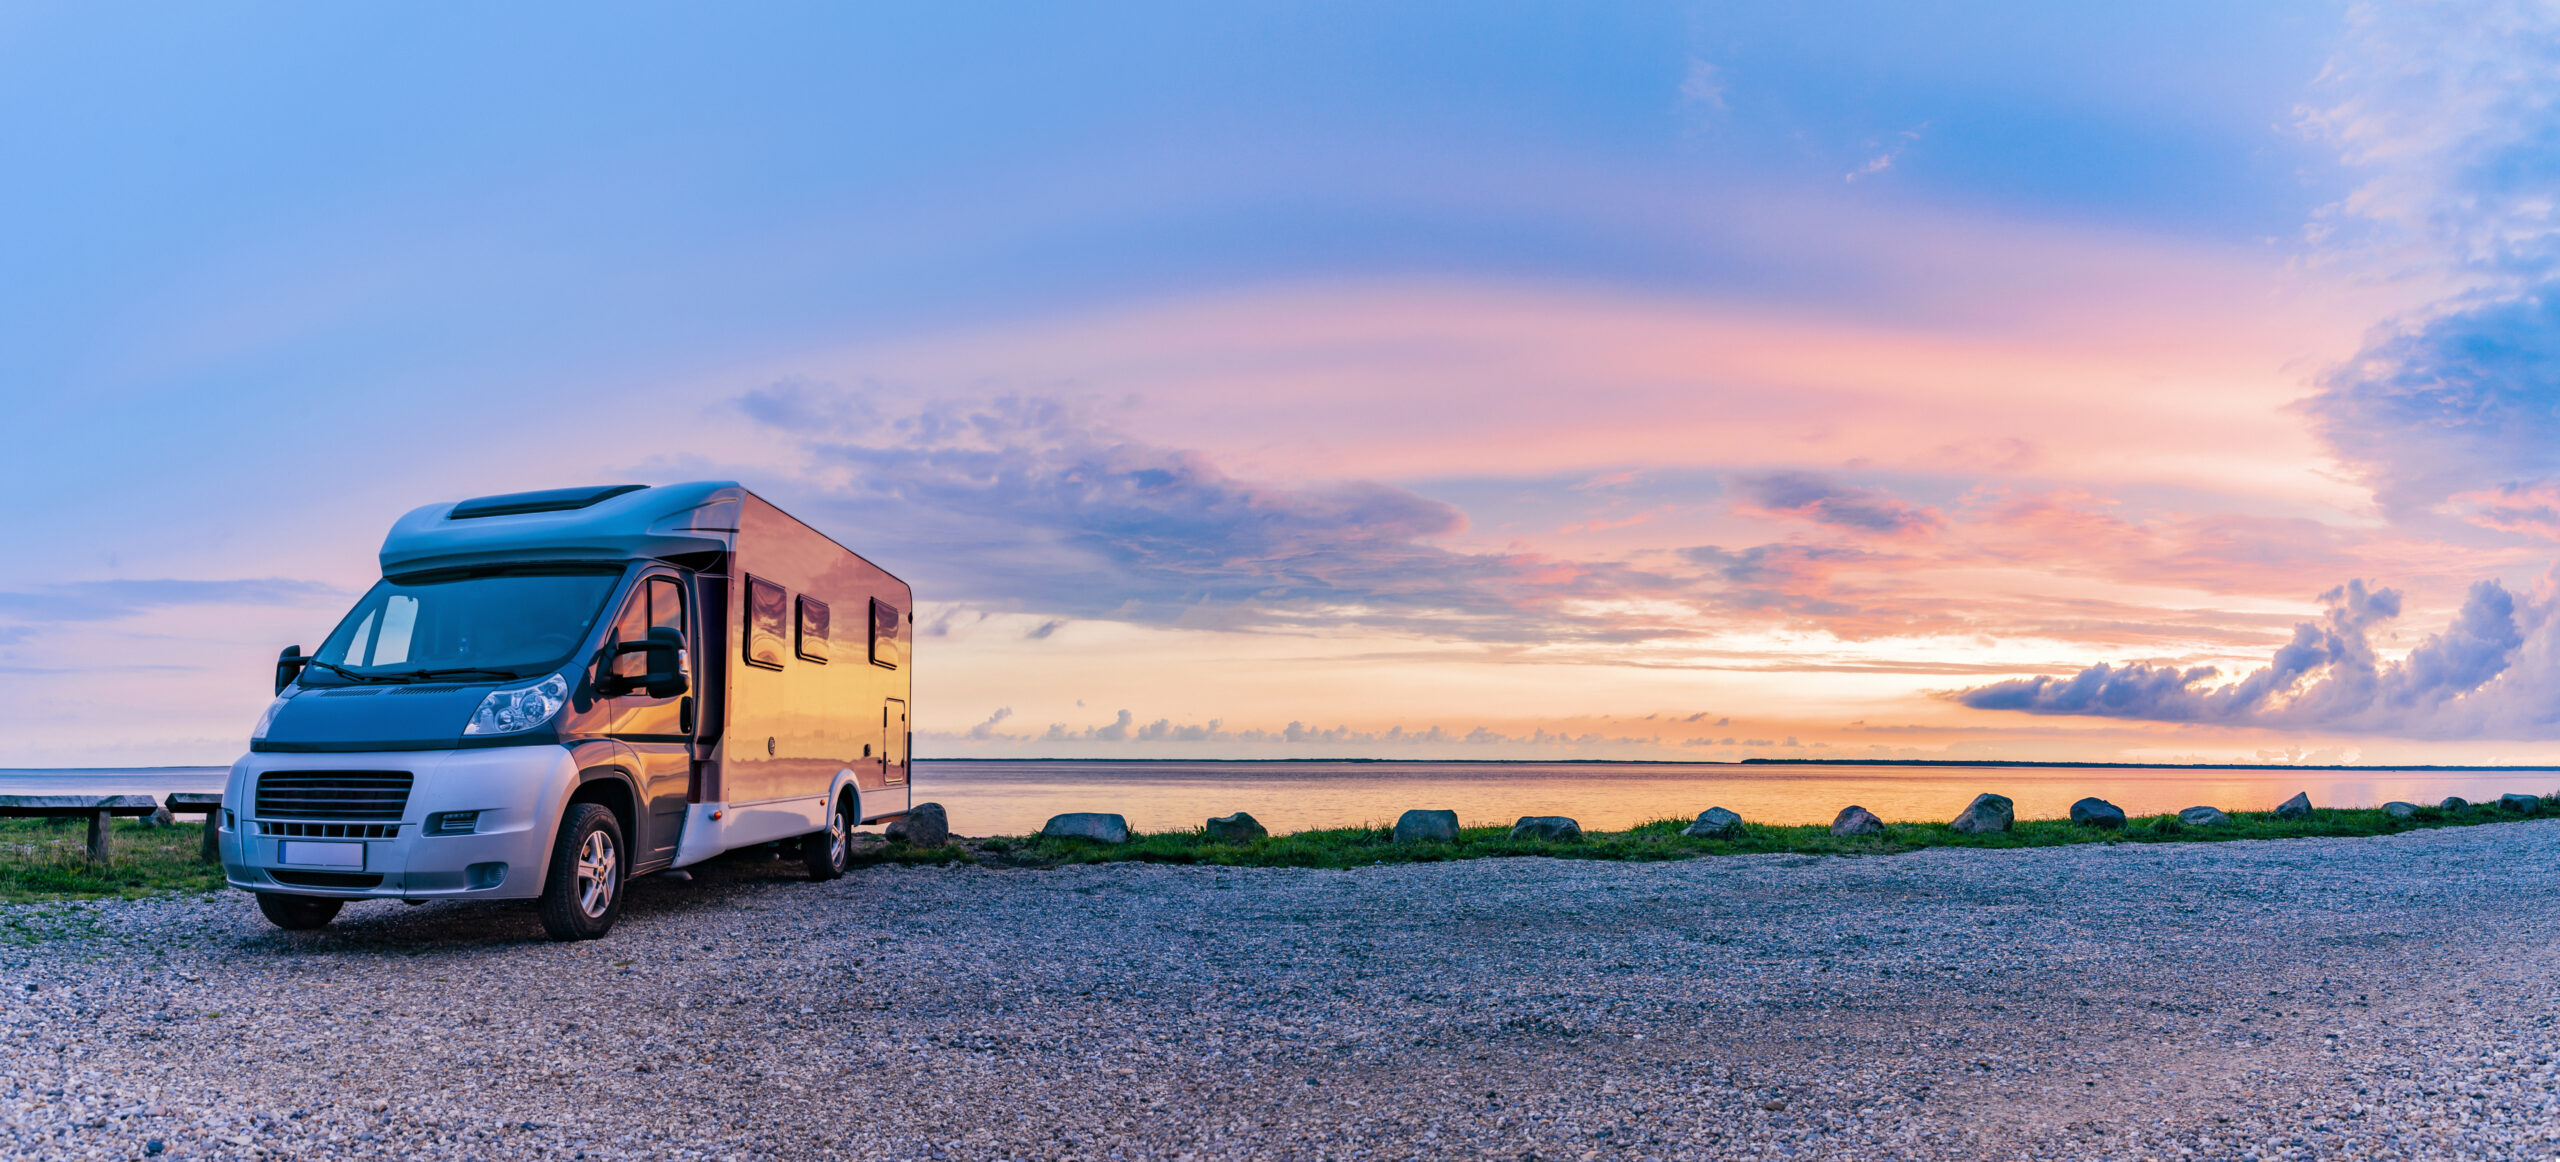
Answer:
(298, 913)
(826, 852)
(582, 895)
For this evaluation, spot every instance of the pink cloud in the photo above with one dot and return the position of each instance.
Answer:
(2533, 508)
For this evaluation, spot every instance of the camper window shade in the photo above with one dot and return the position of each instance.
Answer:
(888, 644)
(767, 609)
(811, 641)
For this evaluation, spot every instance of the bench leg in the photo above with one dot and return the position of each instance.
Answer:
(212, 852)
(102, 838)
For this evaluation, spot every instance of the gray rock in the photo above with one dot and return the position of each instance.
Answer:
(2096, 812)
(1987, 814)
(2297, 807)
(2399, 810)
(1553, 828)
(1427, 827)
(1236, 828)
(924, 825)
(1855, 820)
(1092, 825)
(2526, 804)
(2203, 817)
(1715, 823)
(2454, 803)
(158, 818)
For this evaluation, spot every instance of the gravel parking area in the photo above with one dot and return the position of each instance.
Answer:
(2389, 997)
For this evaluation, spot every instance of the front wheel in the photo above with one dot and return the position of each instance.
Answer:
(582, 896)
(298, 913)
(827, 852)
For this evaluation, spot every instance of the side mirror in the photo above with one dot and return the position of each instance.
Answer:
(289, 667)
(665, 677)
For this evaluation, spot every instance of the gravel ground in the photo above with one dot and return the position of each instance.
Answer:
(2390, 997)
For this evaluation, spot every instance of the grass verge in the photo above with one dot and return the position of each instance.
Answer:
(1348, 847)
(45, 859)
(41, 860)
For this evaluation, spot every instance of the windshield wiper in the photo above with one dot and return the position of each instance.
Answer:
(356, 675)
(461, 672)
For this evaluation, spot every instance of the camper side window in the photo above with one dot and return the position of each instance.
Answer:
(767, 608)
(888, 643)
(812, 638)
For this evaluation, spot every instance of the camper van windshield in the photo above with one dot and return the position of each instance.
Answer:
(487, 625)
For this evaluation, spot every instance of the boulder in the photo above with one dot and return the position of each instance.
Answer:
(1987, 814)
(159, 817)
(1092, 825)
(2454, 803)
(2096, 812)
(1552, 828)
(924, 825)
(1236, 828)
(1855, 820)
(2297, 807)
(2399, 810)
(2203, 817)
(1715, 823)
(1427, 827)
(2523, 804)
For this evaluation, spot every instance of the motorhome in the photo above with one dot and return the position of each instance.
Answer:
(549, 693)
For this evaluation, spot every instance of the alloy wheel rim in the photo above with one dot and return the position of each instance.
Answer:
(836, 839)
(597, 865)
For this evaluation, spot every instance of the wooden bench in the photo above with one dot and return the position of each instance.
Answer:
(97, 809)
(209, 806)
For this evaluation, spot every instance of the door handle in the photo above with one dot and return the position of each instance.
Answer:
(684, 714)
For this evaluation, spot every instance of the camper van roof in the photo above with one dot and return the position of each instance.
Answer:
(607, 523)
(547, 500)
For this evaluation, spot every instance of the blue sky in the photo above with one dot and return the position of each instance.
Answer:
(281, 272)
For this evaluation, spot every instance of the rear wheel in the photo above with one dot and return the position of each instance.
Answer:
(826, 852)
(582, 896)
(298, 913)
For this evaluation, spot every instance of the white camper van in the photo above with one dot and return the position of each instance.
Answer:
(551, 692)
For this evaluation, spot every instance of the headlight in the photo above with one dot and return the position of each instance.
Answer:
(267, 718)
(519, 709)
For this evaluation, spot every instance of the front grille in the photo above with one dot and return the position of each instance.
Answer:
(304, 879)
(330, 830)
(333, 796)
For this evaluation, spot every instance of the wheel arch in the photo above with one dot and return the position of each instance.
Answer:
(614, 788)
(844, 787)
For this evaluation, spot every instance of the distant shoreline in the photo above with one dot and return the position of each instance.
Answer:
(1773, 763)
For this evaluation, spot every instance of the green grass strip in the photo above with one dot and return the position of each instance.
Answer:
(1350, 847)
(46, 859)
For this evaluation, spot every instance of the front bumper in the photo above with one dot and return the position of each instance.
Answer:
(518, 790)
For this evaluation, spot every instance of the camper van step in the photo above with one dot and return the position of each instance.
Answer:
(891, 817)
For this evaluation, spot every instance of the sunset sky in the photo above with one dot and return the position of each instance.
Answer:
(1681, 381)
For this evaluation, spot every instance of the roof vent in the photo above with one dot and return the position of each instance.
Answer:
(547, 500)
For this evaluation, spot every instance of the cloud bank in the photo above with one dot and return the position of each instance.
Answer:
(2452, 112)
(2493, 672)
(1037, 505)
(2452, 115)
(1050, 508)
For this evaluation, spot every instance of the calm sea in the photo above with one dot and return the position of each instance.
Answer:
(1011, 798)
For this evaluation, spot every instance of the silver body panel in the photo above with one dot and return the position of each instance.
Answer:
(520, 790)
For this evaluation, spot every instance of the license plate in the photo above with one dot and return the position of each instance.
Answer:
(311, 854)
